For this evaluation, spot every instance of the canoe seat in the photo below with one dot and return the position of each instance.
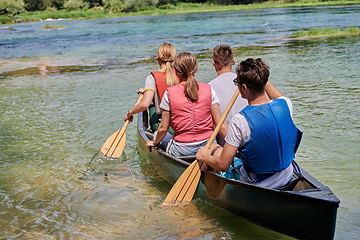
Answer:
(292, 183)
(298, 183)
(188, 159)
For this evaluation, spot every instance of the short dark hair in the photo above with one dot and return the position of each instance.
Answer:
(223, 55)
(254, 73)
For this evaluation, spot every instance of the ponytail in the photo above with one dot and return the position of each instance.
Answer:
(171, 79)
(191, 88)
(166, 54)
(186, 64)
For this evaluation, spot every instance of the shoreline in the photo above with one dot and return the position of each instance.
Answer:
(181, 8)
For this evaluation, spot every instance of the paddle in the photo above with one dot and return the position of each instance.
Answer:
(185, 187)
(114, 145)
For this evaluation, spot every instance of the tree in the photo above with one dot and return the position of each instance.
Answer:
(94, 3)
(75, 4)
(128, 5)
(11, 7)
(38, 5)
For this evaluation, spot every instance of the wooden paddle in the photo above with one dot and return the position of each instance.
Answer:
(114, 145)
(185, 187)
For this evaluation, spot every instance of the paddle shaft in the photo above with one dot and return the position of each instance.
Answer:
(185, 186)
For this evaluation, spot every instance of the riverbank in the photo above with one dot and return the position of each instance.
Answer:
(326, 32)
(170, 9)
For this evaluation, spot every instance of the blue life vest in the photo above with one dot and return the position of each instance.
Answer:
(273, 141)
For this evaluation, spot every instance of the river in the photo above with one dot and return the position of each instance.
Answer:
(65, 90)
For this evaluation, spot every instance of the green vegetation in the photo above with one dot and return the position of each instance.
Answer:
(34, 10)
(314, 33)
(61, 14)
(5, 19)
(47, 26)
(11, 7)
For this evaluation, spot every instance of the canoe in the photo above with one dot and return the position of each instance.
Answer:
(306, 210)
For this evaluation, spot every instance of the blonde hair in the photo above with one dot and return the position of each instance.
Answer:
(166, 54)
(186, 64)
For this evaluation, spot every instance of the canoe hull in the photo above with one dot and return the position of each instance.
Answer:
(305, 214)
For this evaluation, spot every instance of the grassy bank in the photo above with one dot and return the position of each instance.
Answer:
(316, 33)
(180, 8)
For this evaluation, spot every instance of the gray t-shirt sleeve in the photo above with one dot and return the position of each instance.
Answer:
(150, 82)
(165, 105)
(238, 131)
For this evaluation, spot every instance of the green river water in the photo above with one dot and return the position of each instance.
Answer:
(53, 122)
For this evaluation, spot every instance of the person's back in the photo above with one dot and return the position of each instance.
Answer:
(269, 123)
(191, 108)
(159, 80)
(155, 85)
(264, 133)
(225, 88)
(191, 120)
(223, 85)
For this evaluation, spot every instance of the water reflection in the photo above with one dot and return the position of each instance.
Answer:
(43, 70)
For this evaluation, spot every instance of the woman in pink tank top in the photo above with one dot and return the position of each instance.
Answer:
(190, 108)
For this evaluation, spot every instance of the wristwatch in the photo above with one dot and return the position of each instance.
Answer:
(128, 113)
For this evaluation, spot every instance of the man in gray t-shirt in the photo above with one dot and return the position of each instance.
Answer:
(223, 85)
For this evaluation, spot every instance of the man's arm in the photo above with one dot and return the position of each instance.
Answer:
(220, 163)
(216, 116)
(272, 91)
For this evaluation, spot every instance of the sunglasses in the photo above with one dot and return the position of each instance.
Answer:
(236, 82)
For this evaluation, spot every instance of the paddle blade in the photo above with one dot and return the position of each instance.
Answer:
(185, 187)
(114, 145)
